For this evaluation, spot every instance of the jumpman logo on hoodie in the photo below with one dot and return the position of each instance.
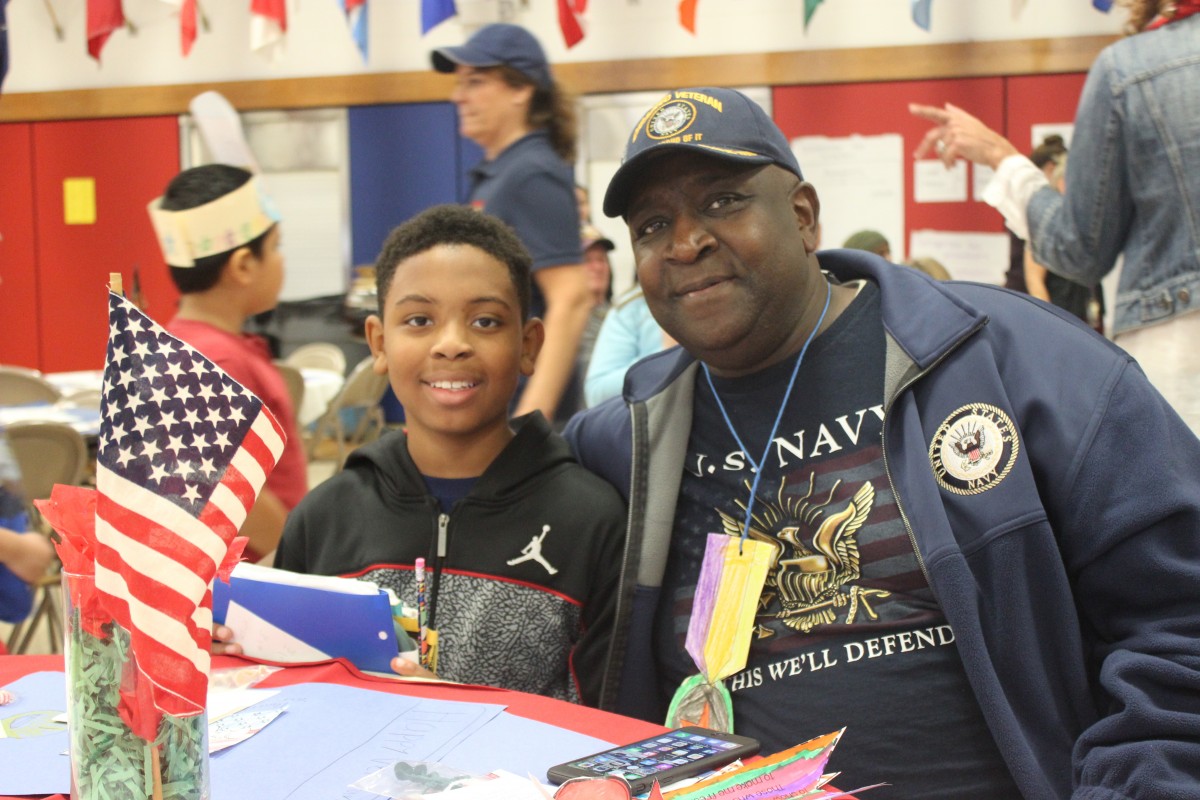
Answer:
(533, 552)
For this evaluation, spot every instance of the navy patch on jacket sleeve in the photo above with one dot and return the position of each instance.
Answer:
(974, 449)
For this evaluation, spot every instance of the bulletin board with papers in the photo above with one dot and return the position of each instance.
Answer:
(855, 142)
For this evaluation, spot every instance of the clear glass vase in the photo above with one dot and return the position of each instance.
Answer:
(108, 760)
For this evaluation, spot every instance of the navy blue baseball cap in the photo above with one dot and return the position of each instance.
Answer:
(497, 45)
(722, 123)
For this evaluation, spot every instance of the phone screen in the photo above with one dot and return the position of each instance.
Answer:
(668, 757)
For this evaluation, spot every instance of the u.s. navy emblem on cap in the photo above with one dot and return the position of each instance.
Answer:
(974, 449)
(671, 119)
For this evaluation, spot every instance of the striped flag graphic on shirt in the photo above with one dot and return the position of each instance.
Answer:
(184, 450)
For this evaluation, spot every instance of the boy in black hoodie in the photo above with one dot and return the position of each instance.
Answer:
(522, 543)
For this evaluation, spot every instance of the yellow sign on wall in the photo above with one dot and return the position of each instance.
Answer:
(79, 201)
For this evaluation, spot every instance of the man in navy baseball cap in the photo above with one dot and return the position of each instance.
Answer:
(497, 45)
(718, 122)
(942, 463)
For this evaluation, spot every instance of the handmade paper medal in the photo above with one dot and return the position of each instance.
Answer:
(703, 704)
(731, 581)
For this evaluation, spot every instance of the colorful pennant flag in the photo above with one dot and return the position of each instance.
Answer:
(687, 14)
(356, 18)
(187, 25)
(183, 453)
(103, 17)
(921, 13)
(568, 20)
(268, 24)
(810, 8)
(795, 772)
(189, 11)
(435, 12)
(3, 41)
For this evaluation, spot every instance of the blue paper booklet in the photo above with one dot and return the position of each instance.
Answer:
(293, 618)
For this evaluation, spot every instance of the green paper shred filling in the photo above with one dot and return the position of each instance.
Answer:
(108, 761)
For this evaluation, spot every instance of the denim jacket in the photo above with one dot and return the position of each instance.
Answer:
(1133, 178)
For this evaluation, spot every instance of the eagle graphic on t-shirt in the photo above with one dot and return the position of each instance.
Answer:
(816, 553)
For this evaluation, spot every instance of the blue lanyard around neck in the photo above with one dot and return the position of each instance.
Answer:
(758, 466)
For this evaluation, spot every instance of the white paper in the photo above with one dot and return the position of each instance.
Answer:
(239, 726)
(981, 176)
(222, 702)
(860, 184)
(981, 257)
(261, 639)
(313, 238)
(329, 583)
(934, 183)
(504, 786)
(1039, 132)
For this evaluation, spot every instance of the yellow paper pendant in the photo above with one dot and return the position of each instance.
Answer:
(731, 582)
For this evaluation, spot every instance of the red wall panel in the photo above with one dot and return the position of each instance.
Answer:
(131, 161)
(1040, 99)
(19, 342)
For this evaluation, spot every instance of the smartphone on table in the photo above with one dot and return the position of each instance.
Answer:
(668, 757)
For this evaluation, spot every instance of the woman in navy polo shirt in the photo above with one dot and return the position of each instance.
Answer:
(509, 104)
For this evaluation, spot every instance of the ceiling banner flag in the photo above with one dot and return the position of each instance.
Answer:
(568, 20)
(687, 15)
(435, 12)
(356, 18)
(187, 25)
(268, 24)
(810, 8)
(921, 13)
(103, 17)
(3, 42)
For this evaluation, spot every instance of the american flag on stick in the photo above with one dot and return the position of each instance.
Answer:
(183, 453)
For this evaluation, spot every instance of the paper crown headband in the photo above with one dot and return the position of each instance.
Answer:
(226, 223)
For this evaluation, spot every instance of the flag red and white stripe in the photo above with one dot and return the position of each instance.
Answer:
(184, 451)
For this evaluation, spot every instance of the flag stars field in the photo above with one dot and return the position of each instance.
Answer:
(170, 414)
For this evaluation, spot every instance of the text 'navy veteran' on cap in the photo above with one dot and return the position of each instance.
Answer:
(497, 45)
(722, 123)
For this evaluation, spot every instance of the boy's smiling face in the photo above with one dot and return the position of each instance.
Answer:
(453, 346)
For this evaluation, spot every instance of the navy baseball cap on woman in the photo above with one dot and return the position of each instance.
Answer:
(497, 45)
(722, 123)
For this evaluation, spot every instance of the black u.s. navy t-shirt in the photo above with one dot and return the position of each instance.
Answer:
(847, 633)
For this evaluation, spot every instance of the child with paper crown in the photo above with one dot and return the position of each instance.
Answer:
(219, 234)
(522, 543)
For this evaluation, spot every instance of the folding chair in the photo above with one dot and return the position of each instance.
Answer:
(47, 453)
(20, 386)
(318, 355)
(362, 392)
(295, 383)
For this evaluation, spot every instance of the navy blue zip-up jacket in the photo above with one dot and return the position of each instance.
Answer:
(1070, 573)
